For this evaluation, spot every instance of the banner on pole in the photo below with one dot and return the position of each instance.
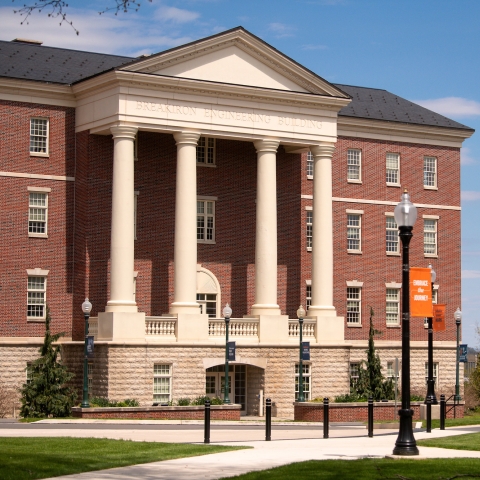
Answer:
(438, 319)
(90, 345)
(231, 346)
(306, 351)
(462, 354)
(420, 292)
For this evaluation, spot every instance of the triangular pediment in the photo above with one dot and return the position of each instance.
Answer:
(235, 57)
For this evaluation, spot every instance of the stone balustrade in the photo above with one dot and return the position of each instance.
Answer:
(93, 327)
(238, 327)
(160, 326)
(308, 328)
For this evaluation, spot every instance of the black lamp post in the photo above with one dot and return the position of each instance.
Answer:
(430, 380)
(405, 216)
(227, 313)
(458, 321)
(87, 308)
(300, 315)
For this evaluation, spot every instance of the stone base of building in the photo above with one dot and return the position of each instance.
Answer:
(192, 412)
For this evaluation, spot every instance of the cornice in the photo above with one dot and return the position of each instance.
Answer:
(18, 90)
(248, 44)
(401, 132)
(205, 88)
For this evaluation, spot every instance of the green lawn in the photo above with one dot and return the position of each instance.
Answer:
(469, 441)
(31, 458)
(372, 469)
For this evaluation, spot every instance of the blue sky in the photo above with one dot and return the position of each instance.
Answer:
(427, 51)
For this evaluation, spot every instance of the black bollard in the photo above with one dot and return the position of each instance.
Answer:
(370, 417)
(325, 418)
(268, 419)
(442, 412)
(207, 422)
(429, 414)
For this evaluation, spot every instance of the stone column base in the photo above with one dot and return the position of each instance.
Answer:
(329, 329)
(192, 328)
(121, 326)
(273, 329)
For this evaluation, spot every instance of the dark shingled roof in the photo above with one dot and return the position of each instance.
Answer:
(53, 65)
(376, 104)
(58, 65)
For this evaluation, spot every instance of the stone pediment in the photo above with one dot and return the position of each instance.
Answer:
(239, 58)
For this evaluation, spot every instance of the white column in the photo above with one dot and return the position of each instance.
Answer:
(266, 230)
(322, 241)
(185, 249)
(122, 233)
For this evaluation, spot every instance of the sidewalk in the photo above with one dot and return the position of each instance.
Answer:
(287, 446)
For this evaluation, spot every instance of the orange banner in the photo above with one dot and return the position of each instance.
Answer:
(420, 292)
(438, 319)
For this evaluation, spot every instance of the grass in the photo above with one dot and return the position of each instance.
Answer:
(43, 457)
(372, 469)
(468, 441)
(472, 418)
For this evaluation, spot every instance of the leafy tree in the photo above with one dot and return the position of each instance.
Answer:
(58, 9)
(47, 394)
(370, 382)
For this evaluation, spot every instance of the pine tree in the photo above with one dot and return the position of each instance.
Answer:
(47, 394)
(370, 382)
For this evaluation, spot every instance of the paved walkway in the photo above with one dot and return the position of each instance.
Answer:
(289, 444)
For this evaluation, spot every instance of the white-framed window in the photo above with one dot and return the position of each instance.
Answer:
(392, 243)
(309, 230)
(308, 295)
(309, 165)
(354, 165)
(435, 372)
(36, 294)
(162, 383)
(37, 213)
(354, 232)
(205, 221)
(206, 151)
(430, 236)
(39, 136)
(393, 169)
(354, 370)
(208, 304)
(429, 172)
(354, 299)
(393, 306)
(307, 376)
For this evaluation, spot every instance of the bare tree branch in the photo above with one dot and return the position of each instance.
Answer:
(58, 9)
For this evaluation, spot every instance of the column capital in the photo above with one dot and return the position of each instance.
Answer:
(187, 137)
(124, 131)
(267, 145)
(324, 149)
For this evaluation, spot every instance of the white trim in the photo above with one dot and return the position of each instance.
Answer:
(47, 137)
(382, 202)
(435, 287)
(355, 212)
(431, 217)
(35, 175)
(354, 283)
(37, 272)
(393, 285)
(309, 208)
(39, 189)
(308, 282)
(389, 214)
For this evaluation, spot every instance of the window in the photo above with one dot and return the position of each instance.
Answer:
(429, 172)
(39, 136)
(36, 290)
(354, 372)
(435, 372)
(306, 380)
(393, 306)
(393, 169)
(205, 221)
(429, 236)
(162, 383)
(354, 165)
(37, 214)
(309, 229)
(206, 151)
(309, 165)
(308, 299)
(354, 233)
(392, 244)
(391, 370)
(353, 305)
(208, 304)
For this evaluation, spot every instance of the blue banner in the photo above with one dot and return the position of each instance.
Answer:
(90, 346)
(462, 353)
(305, 350)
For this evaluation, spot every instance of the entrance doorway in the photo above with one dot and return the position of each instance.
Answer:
(215, 385)
(237, 376)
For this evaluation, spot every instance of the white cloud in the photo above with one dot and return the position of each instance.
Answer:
(470, 274)
(175, 15)
(470, 196)
(466, 157)
(314, 47)
(452, 106)
(281, 30)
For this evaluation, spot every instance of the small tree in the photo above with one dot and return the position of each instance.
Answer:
(370, 382)
(46, 393)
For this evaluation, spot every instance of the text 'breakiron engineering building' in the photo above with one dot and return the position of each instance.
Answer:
(221, 171)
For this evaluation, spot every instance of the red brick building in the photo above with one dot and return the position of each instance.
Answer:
(212, 157)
